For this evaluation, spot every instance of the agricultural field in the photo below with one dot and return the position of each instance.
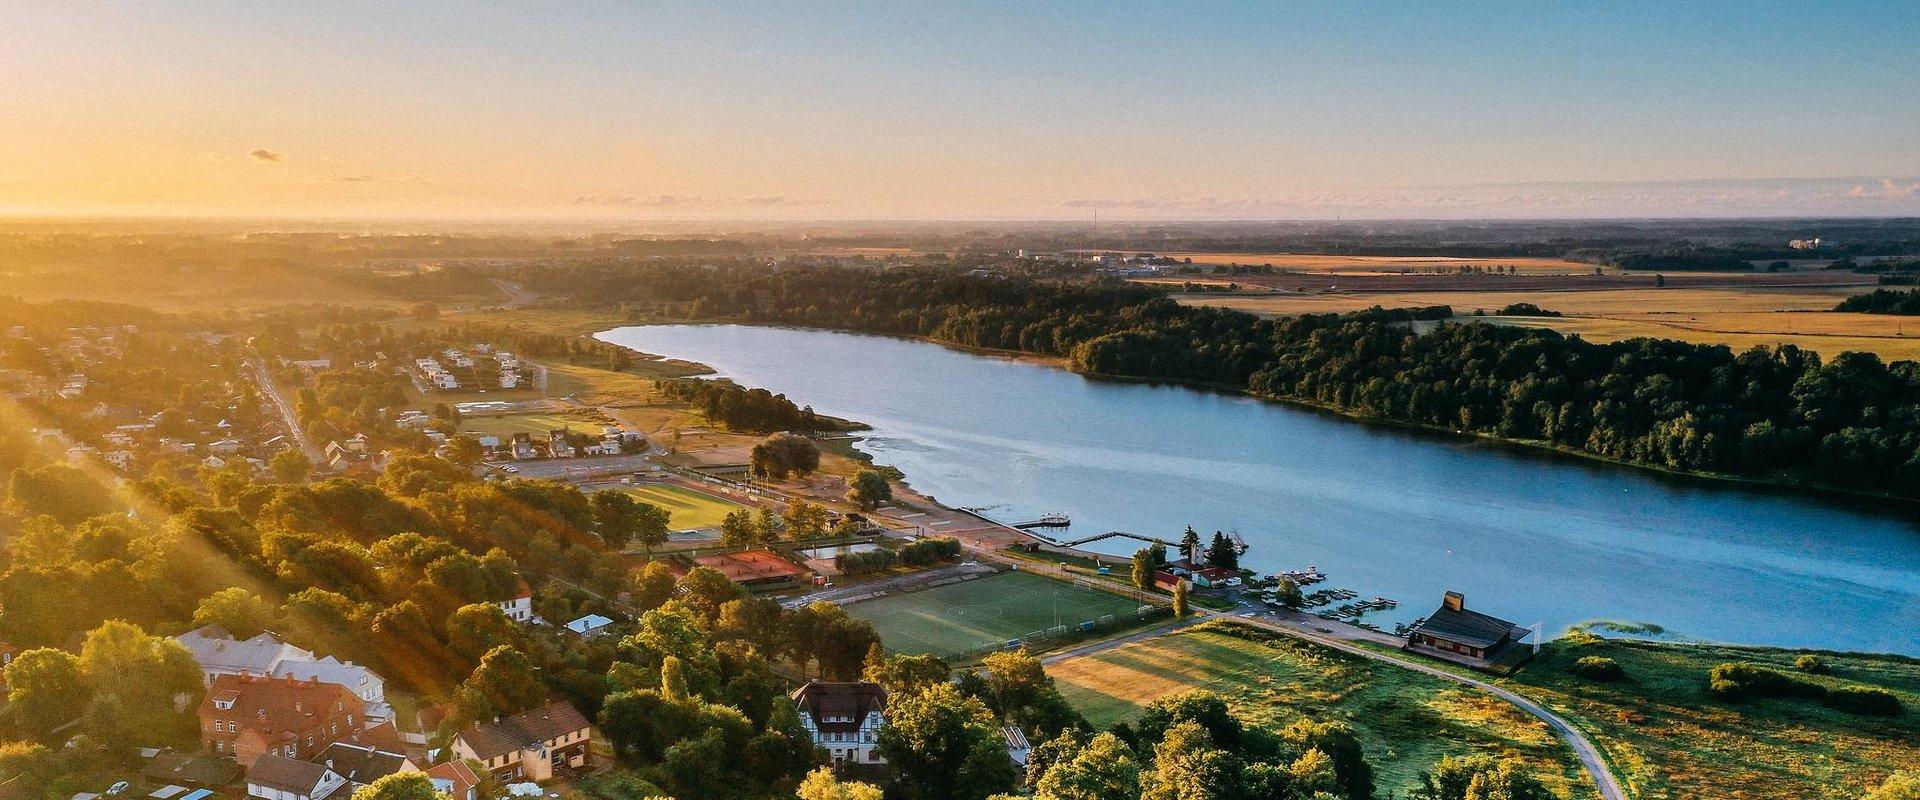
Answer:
(1406, 720)
(1667, 738)
(1737, 317)
(686, 508)
(961, 617)
(1313, 262)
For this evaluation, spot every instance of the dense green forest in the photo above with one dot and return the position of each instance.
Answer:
(1766, 412)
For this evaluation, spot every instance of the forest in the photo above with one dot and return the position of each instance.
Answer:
(1775, 413)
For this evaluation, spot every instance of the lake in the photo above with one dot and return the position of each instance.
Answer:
(1535, 538)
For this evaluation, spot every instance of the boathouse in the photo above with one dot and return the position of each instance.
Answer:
(1467, 637)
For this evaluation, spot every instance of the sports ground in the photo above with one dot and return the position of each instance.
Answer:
(960, 617)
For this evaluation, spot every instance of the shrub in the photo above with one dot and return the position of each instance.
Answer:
(928, 551)
(1864, 700)
(1730, 691)
(1598, 668)
(857, 563)
(1763, 682)
(1810, 664)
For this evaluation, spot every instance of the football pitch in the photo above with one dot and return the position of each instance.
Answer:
(947, 620)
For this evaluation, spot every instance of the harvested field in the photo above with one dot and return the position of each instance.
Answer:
(1318, 262)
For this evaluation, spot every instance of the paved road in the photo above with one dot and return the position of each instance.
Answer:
(272, 391)
(1589, 754)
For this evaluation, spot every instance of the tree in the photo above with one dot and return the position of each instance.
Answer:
(1190, 544)
(1222, 553)
(653, 584)
(26, 764)
(504, 683)
(1189, 765)
(782, 455)
(138, 683)
(1479, 777)
(804, 520)
(242, 613)
(619, 519)
(766, 526)
(475, 629)
(1103, 770)
(290, 466)
(945, 746)
(1289, 595)
(821, 785)
(464, 450)
(868, 489)
(902, 674)
(1142, 569)
(737, 529)
(45, 690)
(57, 490)
(400, 786)
(1180, 599)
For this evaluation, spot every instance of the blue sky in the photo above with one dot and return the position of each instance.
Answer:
(963, 110)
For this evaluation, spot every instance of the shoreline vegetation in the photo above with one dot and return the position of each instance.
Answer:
(1770, 416)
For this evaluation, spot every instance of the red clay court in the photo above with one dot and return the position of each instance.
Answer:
(753, 568)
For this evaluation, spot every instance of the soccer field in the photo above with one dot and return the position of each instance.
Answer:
(986, 611)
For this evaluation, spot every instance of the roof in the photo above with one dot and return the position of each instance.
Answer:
(218, 651)
(190, 768)
(453, 777)
(846, 704)
(280, 772)
(360, 764)
(515, 733)
(1468, 627)
(589, 623)
(278, 707)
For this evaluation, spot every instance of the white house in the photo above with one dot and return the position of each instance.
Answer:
(275, 777)
(358, 679)
(844, 718)
(219, 653)
(520, 608)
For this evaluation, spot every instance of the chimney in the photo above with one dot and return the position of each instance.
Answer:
(299, 707)
(1456, 601)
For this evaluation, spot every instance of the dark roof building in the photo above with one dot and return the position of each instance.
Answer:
(361, 764)
(1468, 637)
(281, 777)
(529, 745)
(844, 719)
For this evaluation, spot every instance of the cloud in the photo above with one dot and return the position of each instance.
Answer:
(264, 156)
(1888, 190)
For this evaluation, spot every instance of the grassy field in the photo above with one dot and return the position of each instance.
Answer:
(1668, 739)
(585, 421)
(965, 616)
(688, 508)
(1406, 720)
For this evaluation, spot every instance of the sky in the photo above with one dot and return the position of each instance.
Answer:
(904, 110)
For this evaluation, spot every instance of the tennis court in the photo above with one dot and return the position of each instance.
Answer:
(961, 617)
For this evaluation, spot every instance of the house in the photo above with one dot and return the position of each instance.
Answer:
(361, 764)
(280, 778)
(1467, 637)
(558, 445)
(455, 780)
(844, 718)
(523, 446)
(1018, 748)
(219, 653)
(591, 626)
(530, 745)
(363, 682)
(246, 717)
(490, 444)
(520, 608)
(225, 447)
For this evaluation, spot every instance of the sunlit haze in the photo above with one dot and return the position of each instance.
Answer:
(1020, 111)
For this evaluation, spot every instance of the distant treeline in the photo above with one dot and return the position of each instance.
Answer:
(1764, 412)
(1883, 301)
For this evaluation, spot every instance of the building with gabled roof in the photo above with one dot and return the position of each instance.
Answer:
(455, 780)
(530, 745)
(246, 717)
(1468, 637)
(361, 764)
(220, 653)
(844, 718)
(275, 777)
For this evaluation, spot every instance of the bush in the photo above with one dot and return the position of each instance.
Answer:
(1810, 664)
(1599, 668)
(857, 563)
(928, 551)
(1864, 700)
(1763, 682)
(1730, 691)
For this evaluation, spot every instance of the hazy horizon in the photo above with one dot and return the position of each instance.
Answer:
(1064, 113)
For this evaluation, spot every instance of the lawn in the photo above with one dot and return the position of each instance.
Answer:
(585, 421)
(689, 509)
(1668, 739)
(949, 620)
(1406, 720)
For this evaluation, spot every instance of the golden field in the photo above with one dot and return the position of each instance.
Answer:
(1312, 262)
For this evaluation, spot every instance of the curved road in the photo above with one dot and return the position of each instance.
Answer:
(1589, 754)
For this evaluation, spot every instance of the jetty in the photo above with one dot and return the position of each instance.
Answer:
(1045, 521)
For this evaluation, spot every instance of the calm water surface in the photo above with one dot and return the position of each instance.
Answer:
(1383, 511)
